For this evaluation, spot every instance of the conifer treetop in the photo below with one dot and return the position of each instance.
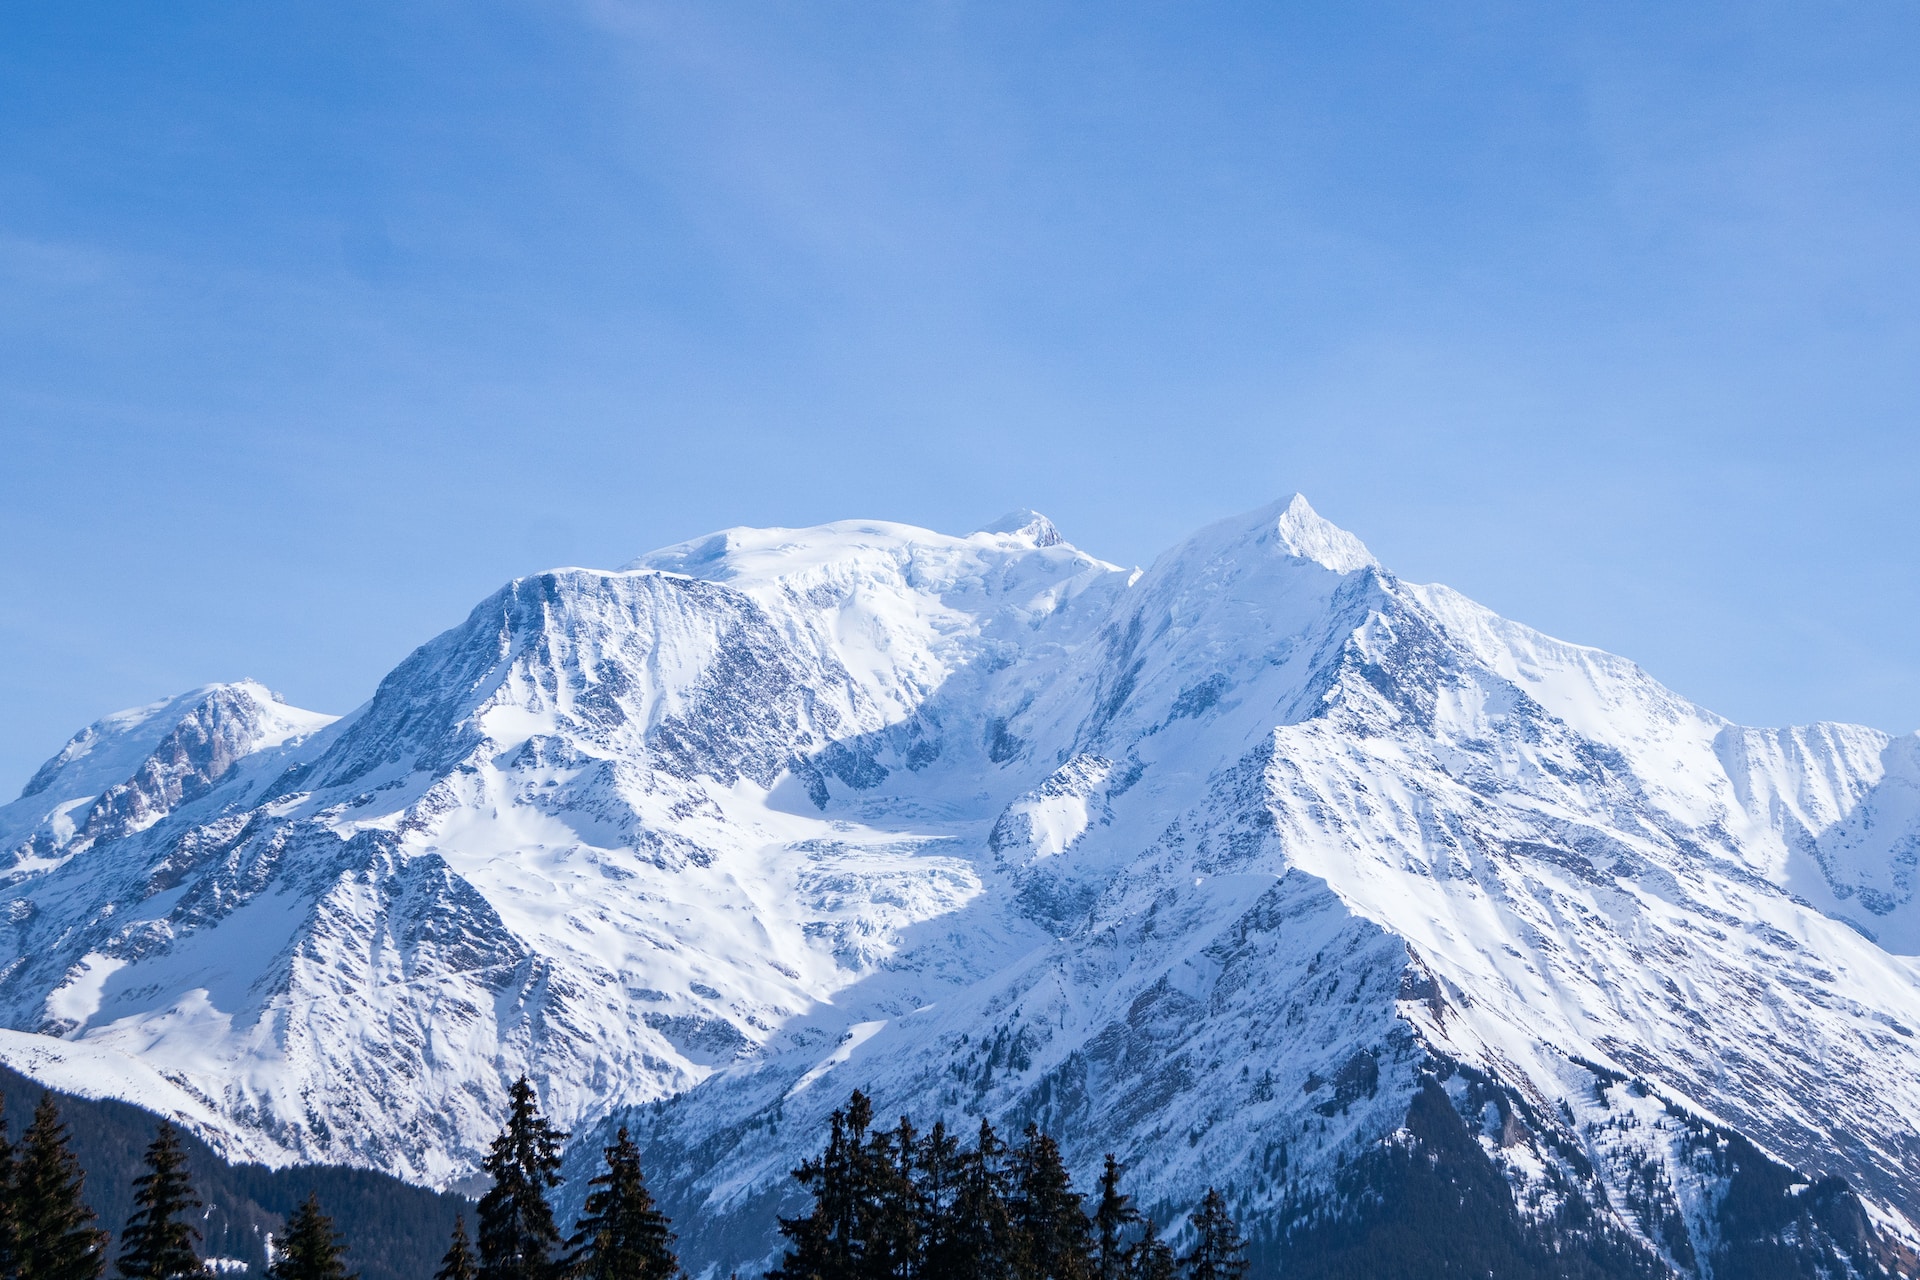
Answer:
(518, 1237)
(458, 1263)
(310, 1250)
(51, 1234)
(158, 1244)
(621, 1234)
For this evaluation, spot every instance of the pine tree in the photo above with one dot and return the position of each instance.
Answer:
(868, 1220)
(1056, 1240)
(621, 1235)
(7, 1219)
(1113, 1218)
(1219, 1252)
(982, 1244)
(53, 1233)
(517, 1232)
(891, 1214)
(1152, 1258)
(939, 1167)
(822, 1245)
(157, 1244)
(310, 1250)
(458, 1264)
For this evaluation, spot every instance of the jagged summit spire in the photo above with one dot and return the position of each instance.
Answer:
(1029, 523)
(1311, 536)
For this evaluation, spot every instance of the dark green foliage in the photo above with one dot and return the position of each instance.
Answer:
(905, 1226)
(53, 1237)
(940, 1169)
(1437, 1206)
(1151, 1257)
(397, 1229)
(828, 1244)
(518, 1237)
(983, 1243)
(458, 1262)
(621, 1234)
(6, 1196)
(1114, 1219)
(1056, 1240)
(869, 1221)
(893, 1222)
(887, 1204)
(1219, 1252)
(158, 1244)
(310, 1249)
(1770, 1217)
(892, 1205)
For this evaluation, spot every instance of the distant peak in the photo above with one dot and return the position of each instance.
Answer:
(1027, 523)
(110, 748)
(1311, 536)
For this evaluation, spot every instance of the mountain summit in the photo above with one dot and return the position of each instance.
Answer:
(1260, 869)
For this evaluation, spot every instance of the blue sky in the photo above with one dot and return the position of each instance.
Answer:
(319, 321)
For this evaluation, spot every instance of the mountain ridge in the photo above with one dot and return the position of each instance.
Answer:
(700, 841)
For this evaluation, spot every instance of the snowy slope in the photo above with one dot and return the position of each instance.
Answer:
(1534, 852)
(130, 770)
(1217, 865)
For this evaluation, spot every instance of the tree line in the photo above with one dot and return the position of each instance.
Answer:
(894, 1204)
(888, 1204)
(47, 1232)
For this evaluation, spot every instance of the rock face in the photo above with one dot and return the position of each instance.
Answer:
(1262, 869)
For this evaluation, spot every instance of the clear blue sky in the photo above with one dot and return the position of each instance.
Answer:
(319, 321)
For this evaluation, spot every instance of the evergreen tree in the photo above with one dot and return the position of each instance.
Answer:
(939, 1167)
(621, 1235)
(1055, 1238)
(1219, 1252)
(890, 1222)
(458, 1264)
(1113, 1218)
(983, 1244)
(7, 1219)
(53, 1236)
(157, 1244)
(517, 1232)
(1152, 1258)
(893, 1205)
(309, 1249)
(823, 1245)
(890, 1204)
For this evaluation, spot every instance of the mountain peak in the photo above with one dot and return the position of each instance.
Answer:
(996, 830)
(1027, 523)
(108, 749)
(1311, 536)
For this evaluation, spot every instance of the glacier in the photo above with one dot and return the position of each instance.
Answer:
(1244, 867)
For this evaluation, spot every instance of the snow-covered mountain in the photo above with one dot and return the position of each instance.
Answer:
(1259, 868)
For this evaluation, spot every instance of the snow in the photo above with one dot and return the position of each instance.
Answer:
(79, 999)
(95, 1071)
(110, 754)
(856, 1035)
(1161, 858)
(1310, 536)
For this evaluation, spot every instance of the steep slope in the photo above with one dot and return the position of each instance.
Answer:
(1253, 868)
(1525, 858)
(129, 771)
(579, 834)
